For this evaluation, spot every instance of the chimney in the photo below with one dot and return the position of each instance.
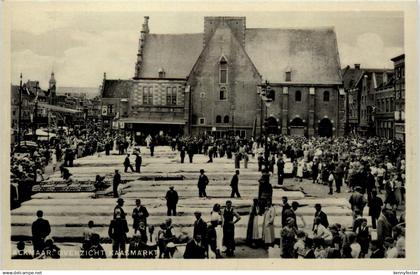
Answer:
(357, 66)
(145, 27)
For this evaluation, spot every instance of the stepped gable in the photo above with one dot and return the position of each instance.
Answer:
(174, 53)
(310, 54)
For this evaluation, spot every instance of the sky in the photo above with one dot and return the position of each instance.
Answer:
(80, 46)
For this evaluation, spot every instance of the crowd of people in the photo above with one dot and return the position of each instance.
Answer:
(369, 168)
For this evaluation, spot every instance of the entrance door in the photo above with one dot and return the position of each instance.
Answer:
(272, 126)
(325, 128)
(297, 127)
(297, 131)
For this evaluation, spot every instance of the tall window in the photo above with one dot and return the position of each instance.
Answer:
(218, 119)
(226, 119)
(326, 96)
(147, 95)
(171, 95)
(288, 76)
(223, 71)
(298, 96)
(223, 93)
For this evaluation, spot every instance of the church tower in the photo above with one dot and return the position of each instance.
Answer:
(143, 33)
(52, 89)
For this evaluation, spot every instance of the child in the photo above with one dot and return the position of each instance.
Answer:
(299, 246)
(161, 240)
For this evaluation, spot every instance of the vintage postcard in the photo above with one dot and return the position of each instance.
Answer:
(198, 135)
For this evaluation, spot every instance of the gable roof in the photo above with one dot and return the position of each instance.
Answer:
(351, 76)
(310, 54)
(116, 88)
(174, 53)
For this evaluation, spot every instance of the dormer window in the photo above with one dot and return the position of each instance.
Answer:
(223, 70)
(161, 73)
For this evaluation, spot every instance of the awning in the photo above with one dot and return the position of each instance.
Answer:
(152, 121)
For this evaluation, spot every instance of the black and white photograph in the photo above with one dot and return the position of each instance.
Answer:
(207, 134)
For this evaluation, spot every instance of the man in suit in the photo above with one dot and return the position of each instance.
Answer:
(182, 153)
(200, 228)
(286, 206)
(171, 201)
(140, 214)
(127, 164)
(195, 249)
(321, 215)
(202, 183)
(234, 184)
(115, 182)
(280, 170)
(117, 231)
(118, 207)
(40, 230)
(138, 162)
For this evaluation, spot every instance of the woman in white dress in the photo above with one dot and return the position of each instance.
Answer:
(216, 215)
(268, 225)
(299, 173)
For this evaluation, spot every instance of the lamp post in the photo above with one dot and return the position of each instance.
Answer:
(266, 96)
(20, 110)
(36, 109)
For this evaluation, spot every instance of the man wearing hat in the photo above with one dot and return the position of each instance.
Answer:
(139, 214)
(321, 215)
(118, 207)
(138, 162)
(202, 183)
(117, 231)
(171, 201)
(234, 185)
(230, 217)
(115, 182)
(200, 228)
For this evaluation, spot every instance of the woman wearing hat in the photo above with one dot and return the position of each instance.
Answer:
(252, 233)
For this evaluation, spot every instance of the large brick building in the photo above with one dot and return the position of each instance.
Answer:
(208, 82)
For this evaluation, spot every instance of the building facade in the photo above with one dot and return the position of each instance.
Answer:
(360, 85)
(399, 88)
(211, 88)
(384, 107)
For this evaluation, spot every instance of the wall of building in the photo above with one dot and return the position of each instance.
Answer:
(242, 102)
(311, 108)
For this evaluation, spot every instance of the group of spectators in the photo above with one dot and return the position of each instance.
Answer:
(367, 166)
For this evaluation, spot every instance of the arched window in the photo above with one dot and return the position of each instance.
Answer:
(218, 119)
(226, 119)
(298, 96)
(326, 96)
(223, 70)
(223, 93)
